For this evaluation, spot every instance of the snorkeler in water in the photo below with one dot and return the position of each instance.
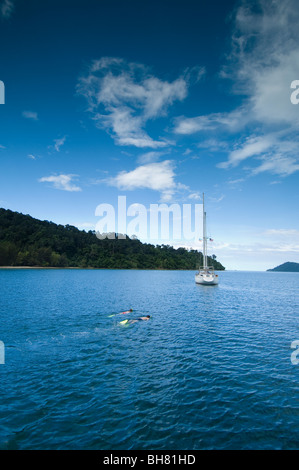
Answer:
(121, 313)
(147, 317)
(134, 320)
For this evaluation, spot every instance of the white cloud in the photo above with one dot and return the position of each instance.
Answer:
(217, 199)
(229, 121)
(6, 8)
(213, 145)
(236, 181)
(265, 60)
(254, 256)
(187, 126)
(63, 182)
(59, 143)
(277, 156)
(127, 129)
(195, 196)
(30, 115)
(282, 232)
(156, 176)
(252, 147)
(278, 164)
(149, 157)
(123, 97)
(265, 57)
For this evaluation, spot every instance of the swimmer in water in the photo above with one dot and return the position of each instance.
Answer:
(120, 313)
(134, 320)
(147, 317)
(127, 311)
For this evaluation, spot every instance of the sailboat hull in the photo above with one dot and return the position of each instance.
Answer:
(206, 279)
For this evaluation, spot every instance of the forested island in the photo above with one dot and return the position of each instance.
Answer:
(29, 242)
(286, 268)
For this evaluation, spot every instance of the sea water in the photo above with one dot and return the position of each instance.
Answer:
(211, 369)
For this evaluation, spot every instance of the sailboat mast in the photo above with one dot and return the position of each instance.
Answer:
(205, 264)
(206, 275)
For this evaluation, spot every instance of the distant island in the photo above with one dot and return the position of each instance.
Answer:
(286, 268)
(29, 242)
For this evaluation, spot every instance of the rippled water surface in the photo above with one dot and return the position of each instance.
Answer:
(211, 369)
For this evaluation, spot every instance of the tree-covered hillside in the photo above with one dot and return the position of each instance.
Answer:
(25, 241)
(287, 267)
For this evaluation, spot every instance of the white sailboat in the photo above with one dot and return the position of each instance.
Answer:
(206, 274)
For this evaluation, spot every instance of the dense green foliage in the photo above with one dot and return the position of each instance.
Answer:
(287, 268)
(25, 241)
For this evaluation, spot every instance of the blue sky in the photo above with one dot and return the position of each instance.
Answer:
(159, 101)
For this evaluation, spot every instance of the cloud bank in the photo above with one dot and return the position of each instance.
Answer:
(263, 62)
